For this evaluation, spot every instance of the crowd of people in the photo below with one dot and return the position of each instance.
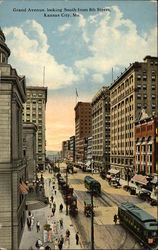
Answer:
(59, 236)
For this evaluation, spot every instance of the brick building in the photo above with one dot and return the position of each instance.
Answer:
(146, 145)
(82, 128)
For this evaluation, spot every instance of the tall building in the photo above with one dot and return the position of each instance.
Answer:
(82, 128)
(65, 149)
(134, 89)
(12, 164)
(72, 148)
(34, 111)
(29, 148)
(101, 129)
(146, 145)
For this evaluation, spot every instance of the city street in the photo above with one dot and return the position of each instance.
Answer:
(107, 235)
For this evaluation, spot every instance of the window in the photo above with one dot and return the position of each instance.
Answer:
(153, 87)
(153, 77)
(138, 77)
(144, 86)
(144, 96)
(139, 86)
(138, 96)
(153, 96)
(138, 105)
(153, 106)
(144, 77)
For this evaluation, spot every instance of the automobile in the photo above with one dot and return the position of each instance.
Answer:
(103, 174)
(154, 202)
(144, 194)
(87, 208)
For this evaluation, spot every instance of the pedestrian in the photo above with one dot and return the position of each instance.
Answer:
(60, 244)
(61, 207)
(38, 226)
(56, 243)
(29, 223)
(53, 187)
(53, 211)
(115, 218)
(68, 236)
(77, 238)
(55, 192)
(52, 198)
(61, 223)
(54, 204)
(38, 244)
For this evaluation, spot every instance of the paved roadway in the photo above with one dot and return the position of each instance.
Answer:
(106, 234)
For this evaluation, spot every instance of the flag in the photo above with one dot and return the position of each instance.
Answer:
(76, 93)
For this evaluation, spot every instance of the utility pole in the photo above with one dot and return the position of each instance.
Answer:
(66, 190)
(92, 221)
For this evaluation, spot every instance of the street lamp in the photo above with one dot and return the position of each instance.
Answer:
(66, 190)
(92, 220)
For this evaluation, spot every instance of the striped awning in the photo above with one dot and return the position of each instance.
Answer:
(22, 189)
(25, 186)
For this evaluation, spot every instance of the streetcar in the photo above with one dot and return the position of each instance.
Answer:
(90, 183)
(143, 225)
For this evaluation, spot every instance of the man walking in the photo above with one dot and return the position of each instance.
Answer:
(53, 210)
(38, 226)
(77, 238)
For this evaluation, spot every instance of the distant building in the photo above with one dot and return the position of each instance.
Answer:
(12, 164)
(101, 129)
(34, 111)
(29, 148)
(65, 149)
(135, 89)
(146, 145)
(82, 128)
(72, 148)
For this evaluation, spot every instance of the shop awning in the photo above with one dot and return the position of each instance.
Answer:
(25, 186)
(140, 179)
(22, 189)
(113, 171)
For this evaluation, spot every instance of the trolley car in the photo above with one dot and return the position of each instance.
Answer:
(143, 225)
(91, 183)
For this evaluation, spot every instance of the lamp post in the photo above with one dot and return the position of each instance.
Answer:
(66, 190)
(92, 221)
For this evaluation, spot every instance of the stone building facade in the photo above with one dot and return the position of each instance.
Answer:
(12, 164)
(82, 128)
(134, 89)
(101, 129)
(29, 148)
(35, 112)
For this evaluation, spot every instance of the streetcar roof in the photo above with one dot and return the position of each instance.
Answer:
(148, 220)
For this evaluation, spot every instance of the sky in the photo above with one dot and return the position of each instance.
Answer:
(79, 43)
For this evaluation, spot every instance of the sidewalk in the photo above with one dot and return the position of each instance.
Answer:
(43, 215)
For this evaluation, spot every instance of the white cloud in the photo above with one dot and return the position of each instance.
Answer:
(66, 26)
(29, 55)
(114, 42)
(1, 2)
